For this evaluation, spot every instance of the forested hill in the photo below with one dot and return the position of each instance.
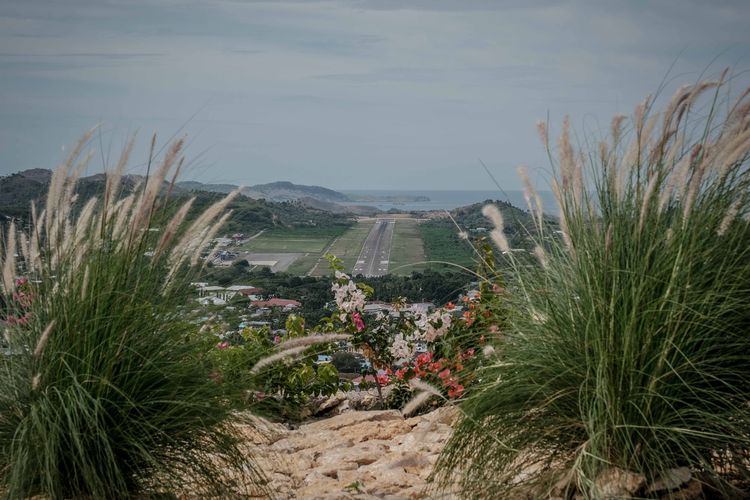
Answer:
(248, 215)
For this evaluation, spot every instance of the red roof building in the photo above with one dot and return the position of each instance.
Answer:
(276, 303)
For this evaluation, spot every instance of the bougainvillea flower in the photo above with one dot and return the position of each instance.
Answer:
(359, 323)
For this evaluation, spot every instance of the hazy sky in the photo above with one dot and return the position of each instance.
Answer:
(347, 94)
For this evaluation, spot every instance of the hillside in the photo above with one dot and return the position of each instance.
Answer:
(249, 215)
(442, 241)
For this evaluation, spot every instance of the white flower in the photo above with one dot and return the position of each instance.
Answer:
(400, 348)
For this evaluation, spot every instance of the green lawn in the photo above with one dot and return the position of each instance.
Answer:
(407, 249)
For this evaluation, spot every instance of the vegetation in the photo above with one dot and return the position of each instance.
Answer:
(627, 343)
(407, 253)
(103, 393)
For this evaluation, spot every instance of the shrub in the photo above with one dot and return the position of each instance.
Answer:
(102, 395)
(627, 345)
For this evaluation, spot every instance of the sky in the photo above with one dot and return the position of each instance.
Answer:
(358, 94)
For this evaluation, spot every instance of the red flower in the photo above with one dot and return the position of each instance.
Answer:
(359, 323)
(450, 306)
(455, 391)
(382, 379)
(401, 372)
(437, 366)
(423, 359)
(444, 374)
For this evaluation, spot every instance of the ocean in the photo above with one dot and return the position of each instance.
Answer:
(443, 200)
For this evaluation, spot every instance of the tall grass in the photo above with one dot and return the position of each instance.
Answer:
(628, 344)
(102, 394)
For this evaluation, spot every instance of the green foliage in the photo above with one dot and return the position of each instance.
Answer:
(346, 362)
(627, 347)
(280, 390)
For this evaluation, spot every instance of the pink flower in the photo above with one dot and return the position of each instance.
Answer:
(276, 339)
(382, 379)
(444, 374)
(400, 373)
(21, 281)
(359, 324)
(222, 345)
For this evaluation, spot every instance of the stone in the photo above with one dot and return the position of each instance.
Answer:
(693, 490)
(618, 483)
(670, 480)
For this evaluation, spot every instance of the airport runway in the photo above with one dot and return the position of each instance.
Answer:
(376, 251)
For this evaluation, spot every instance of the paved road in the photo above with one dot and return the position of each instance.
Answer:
(376, 251)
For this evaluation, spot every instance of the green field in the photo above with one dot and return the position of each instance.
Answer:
(297, 240)
(407, 249)
(346, 247)
(442, 243)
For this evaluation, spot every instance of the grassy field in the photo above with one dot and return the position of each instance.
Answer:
(407, 248)
(441, 242)
(346, 247)
(297, 240)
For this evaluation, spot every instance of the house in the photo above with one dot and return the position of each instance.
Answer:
(286, 304)
(252, 293)
(211, 301)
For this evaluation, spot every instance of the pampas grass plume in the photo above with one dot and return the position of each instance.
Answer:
(269, 360)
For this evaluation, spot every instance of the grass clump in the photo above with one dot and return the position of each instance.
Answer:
(102, 393)
(627, 345)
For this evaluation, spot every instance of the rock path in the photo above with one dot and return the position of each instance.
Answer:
(362, 454)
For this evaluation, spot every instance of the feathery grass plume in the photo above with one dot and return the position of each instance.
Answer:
(497, 235)
(630, 352)
(313, 339)
(171, 228)
(541, 256)
(194, 235)
(9, 266)
(128, 407)
(209, 237)
(421, 385)
(39, 349)
(541, 130)
(647, 195)
(273, 358)
(416, 403)
(728, 218)
(531, 195)
(23, 247)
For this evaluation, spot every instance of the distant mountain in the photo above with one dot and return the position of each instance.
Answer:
(274, 191)
(284, 191)
(211, 188)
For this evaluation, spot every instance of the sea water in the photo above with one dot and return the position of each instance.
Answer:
(443, 200)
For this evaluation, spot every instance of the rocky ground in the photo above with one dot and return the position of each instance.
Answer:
(350, 451)
(356, 454)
